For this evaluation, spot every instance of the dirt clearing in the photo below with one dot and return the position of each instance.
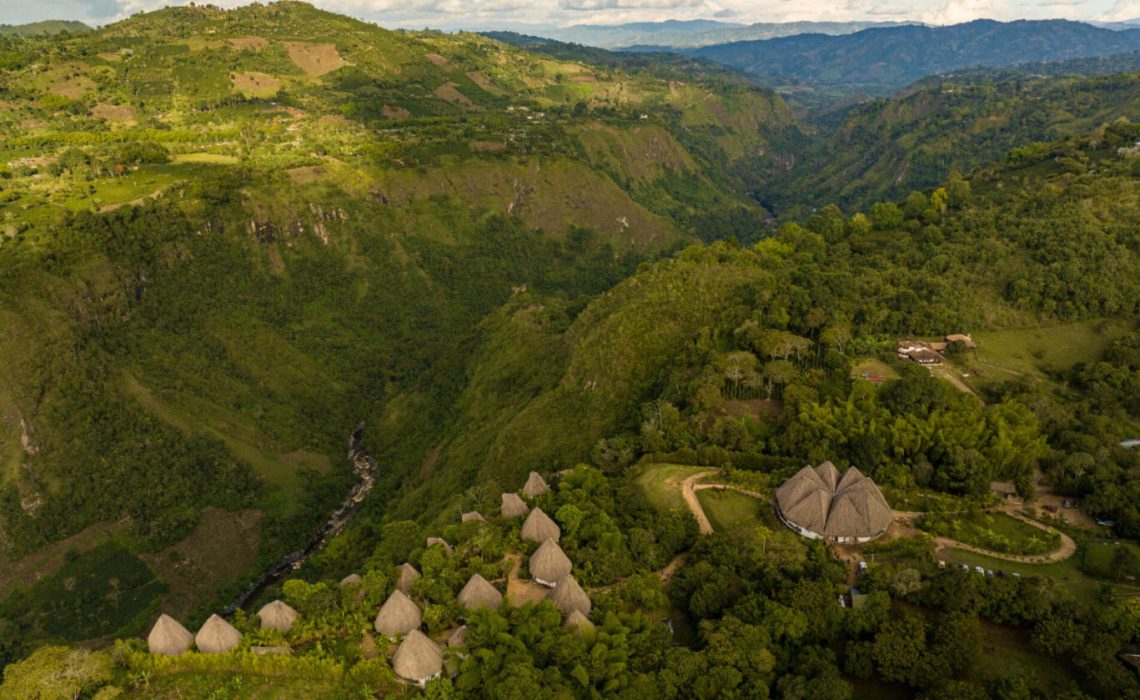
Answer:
(314, 59)
(254, 84)
(449, 93)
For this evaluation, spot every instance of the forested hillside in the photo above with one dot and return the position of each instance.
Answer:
(881, 60)
(914, 140)
(229, 236)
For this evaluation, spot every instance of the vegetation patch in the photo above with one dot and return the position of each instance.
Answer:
(661, 484)
(449, 92)
(106, 591)
(994, 531)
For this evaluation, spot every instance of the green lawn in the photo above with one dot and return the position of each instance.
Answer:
(662, 484)
(729, 510)
(1033, 352)
(875, 366)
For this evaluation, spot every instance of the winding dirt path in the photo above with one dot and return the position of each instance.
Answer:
(688, 492)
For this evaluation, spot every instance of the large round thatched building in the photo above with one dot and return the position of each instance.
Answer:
(820, 504)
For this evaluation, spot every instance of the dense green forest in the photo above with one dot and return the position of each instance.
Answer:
(503, 259)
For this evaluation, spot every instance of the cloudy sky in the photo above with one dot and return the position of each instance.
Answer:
(482, 14)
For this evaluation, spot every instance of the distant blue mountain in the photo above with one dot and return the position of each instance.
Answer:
(681, 34)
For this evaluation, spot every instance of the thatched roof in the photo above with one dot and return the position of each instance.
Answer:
(568, 596)
(458, 637)
(851, 506)
(579, 623)
(398, 615)
(433, 541)
(417, 658)
(406, 576)
(535, 486)
(549, 564)
(217, 636)
(277, 616)
(479, 593)
(538, 527)
(472, 515)
(351, 580)
(513, 506)
(168, 637)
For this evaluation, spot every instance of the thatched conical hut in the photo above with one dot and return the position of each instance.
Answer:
(398, 615)
(351, 580)
(458, 637)
(479, 593)
(277, 616)
(535, 486)
(539, 527)
(568, 596)
(433, 541)
(513, 506)
(579, 623)
(217, 636)
(473, 515)
(417, 659)
(549, 564)
(168, 637)
(406, 576)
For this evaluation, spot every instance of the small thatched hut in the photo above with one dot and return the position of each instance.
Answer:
(406, 576)
(458, 637)
(579, 623)
(351, 580)
(538, 527)
(217, 636)
(417, 659)
(568, 596)
(535, 486)
(277, 616)
(472, 516)
(513, 506)
(169, 637)
(479, 593)
(398, 615)
(433, 541)
(549, 564)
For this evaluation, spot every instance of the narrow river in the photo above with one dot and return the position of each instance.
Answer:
(365, 468)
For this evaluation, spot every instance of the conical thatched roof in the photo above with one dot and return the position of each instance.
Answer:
(458, 637)
(351, 580)
(821, 502)
(549, 564)
(168, 637)
(479, 593)
(418, 658)
(535, 486)
(398, 615)
(217, 636)
(472, 515)
(433, 541)
(513, 506)
(579, 622)
(568, 596)
(538, 527)
(277, 616)
(406, 576)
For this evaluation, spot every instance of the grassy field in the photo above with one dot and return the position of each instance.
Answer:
(236, 686)
(729, 510)
(873, 366)
(662, 484)
(1034, 352)
(1066, 574)
(1009, 653)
